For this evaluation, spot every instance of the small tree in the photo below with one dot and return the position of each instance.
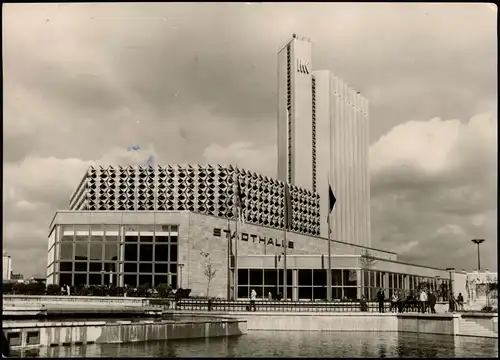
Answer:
(209, 270)
(367, 261)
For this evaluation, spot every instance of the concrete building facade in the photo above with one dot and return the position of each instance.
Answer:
(342, 143)
(151, 247)
(205, 189)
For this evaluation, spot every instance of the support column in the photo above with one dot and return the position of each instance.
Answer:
(295, 281)
(359, 283)
(121, 259)
(385, 284)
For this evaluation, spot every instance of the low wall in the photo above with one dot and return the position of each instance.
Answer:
(444, 324)
(321, 321)
(26, 300)
(25, 334)
(486, 320)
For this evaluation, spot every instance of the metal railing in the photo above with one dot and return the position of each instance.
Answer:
(282, 306)
(275, 306)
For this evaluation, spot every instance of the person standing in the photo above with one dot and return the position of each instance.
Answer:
(432, 302)
(451, 306)
(400, 301)
(253, 297)
(423, 300)
(394, 301)
(460, 302)
(380, 300)
(363, 304)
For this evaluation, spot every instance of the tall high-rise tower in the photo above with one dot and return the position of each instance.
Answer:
(342, 143)
(323, 138)
(296, 132)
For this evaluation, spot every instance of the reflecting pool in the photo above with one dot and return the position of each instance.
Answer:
(295, 343)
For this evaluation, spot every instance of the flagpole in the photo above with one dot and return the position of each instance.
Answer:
(235, 275)
(331, 204)
(236, 259)
(329, 274)
(285, 282)
(229, 259)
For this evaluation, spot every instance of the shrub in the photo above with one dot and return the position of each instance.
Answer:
(36, 288)
(488, 309)
(7, 288)
(100, 290)
(115, 291)
(142, 291)
(20, 289)
(164, 290)
(53, 289)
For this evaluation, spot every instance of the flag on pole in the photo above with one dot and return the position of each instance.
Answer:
(331, 199)
(239, 201)
(288, 208)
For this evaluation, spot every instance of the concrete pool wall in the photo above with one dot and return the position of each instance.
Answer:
(25, 334)
(443, 324)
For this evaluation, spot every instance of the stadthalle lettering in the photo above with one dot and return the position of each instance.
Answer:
(261, 239)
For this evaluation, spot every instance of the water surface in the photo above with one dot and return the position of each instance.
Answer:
(295, 343)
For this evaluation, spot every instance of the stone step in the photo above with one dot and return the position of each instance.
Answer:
(494, 336)
(471, 328)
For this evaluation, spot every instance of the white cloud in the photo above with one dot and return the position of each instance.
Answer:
(436, 180)
(450, 229)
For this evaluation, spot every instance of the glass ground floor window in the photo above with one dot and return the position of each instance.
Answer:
(302, 284)
(347, 284)
(119, 255)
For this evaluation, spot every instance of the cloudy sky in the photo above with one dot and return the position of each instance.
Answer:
(196, 83)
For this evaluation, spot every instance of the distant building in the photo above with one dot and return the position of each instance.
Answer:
(6, 266)
(17, 277)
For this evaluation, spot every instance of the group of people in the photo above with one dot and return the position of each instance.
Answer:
(423, 301)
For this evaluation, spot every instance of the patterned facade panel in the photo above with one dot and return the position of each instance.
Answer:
(92, 189)
(145, 188)
(205, 189)
(107, 194)
(171, 188)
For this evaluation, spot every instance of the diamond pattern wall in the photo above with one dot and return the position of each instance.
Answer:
(205, 189)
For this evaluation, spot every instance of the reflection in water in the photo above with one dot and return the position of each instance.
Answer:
(294, 343)
(382, 350)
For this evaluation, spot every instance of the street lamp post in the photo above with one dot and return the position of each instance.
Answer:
(477, 242)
